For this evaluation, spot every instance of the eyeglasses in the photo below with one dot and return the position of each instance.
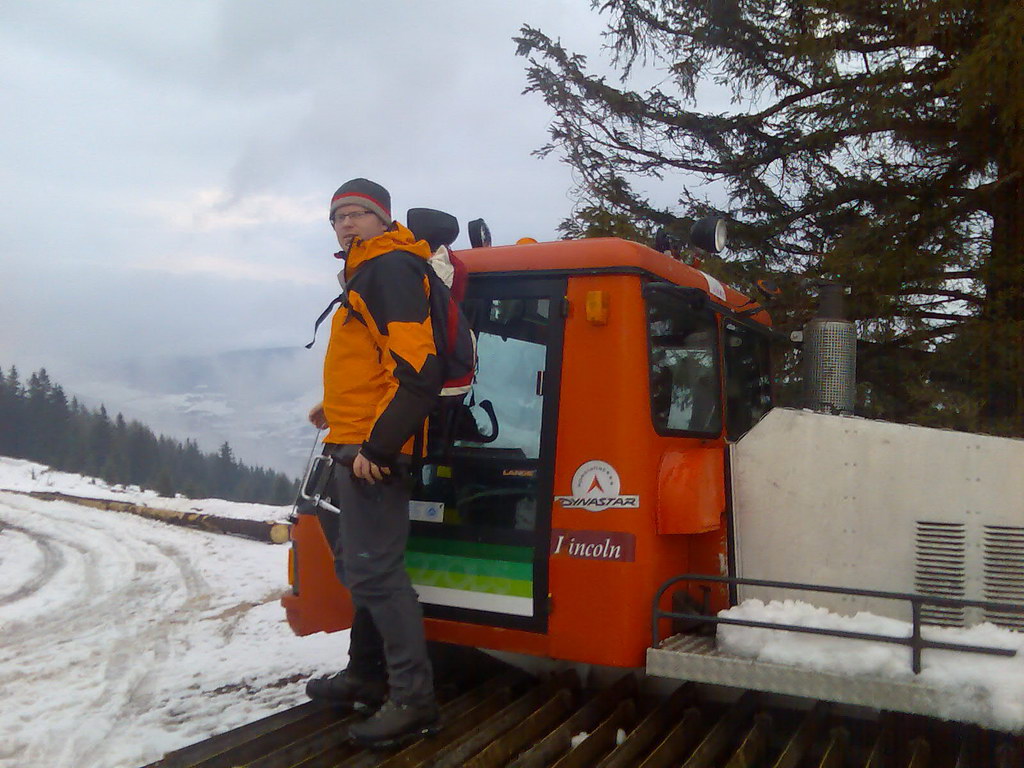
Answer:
(339, 218)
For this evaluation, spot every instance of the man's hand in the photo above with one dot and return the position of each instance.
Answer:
(317, 417)
(366, 470)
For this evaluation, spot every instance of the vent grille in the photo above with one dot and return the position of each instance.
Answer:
(941, 570)
(1004, 573)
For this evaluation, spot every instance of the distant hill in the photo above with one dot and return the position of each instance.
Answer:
(257, 399)
(39, 422)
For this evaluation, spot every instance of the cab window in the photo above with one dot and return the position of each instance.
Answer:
(683, 364)
(748, 390)
(512, 350)
(484, 458)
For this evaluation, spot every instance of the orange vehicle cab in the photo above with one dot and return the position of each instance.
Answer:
(589, 465)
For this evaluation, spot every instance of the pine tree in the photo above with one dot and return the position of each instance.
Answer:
(147, 462)
(8, 411)
(58, 428)
(164, 485)
(603, 221)
(225, 472)
(194, 472)
(877, 144)
(100, 442)
(77, 441)
(37, 440)
(284, 490)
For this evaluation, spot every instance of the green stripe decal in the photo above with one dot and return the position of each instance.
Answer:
(471, 566)
(448, 569)
(472, 549)
(491, 585)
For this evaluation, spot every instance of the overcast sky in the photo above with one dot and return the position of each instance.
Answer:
(167, 167)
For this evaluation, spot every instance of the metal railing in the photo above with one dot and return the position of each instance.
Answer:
(914, 641)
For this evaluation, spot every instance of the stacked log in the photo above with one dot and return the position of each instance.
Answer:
(261, 530)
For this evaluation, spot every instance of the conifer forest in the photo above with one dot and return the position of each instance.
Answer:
(39, 423)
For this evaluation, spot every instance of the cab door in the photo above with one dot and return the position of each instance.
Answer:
(481, 520)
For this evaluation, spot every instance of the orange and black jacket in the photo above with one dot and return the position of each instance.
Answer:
(382, 375)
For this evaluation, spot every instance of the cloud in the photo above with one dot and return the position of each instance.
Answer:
(230, 268)
(168, 166)
(213, 208)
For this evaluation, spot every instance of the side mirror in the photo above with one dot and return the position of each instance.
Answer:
(709, 234)
(479, 233)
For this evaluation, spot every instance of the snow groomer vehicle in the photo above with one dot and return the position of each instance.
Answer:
(616, 478)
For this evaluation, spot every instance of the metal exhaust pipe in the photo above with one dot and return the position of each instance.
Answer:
(830, 355)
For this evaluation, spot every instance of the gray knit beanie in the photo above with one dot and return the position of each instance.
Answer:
(373, 197)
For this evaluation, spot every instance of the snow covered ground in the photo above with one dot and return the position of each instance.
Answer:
(123, 638)
(988, 690)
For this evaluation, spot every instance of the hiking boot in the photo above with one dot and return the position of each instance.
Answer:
(346, 690)
(396, 724)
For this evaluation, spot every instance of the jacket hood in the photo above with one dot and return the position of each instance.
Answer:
(400, 238)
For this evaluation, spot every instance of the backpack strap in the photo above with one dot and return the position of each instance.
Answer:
(460, 278)
(323, 316)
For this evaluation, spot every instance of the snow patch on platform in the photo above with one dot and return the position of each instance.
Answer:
(975, 683)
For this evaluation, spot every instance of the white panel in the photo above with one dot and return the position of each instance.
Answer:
(836, 500)
(481, 601)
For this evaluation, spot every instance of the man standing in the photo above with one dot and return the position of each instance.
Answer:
(381, 380)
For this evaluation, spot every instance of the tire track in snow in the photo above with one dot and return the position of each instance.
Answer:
(52, 559)
(132, 588)
(146, 638)
(68, 600)
(128, 682)
(114, 600)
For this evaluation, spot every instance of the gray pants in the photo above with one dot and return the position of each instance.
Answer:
(369, 558)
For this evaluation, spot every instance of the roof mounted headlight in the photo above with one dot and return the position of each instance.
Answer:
(709, 234)
(479, 233)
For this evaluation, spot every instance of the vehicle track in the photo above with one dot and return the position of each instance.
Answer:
(52, 561)
(107, 601)
(511, 720)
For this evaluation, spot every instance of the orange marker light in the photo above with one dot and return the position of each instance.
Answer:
(525, 241)
(598, 307)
